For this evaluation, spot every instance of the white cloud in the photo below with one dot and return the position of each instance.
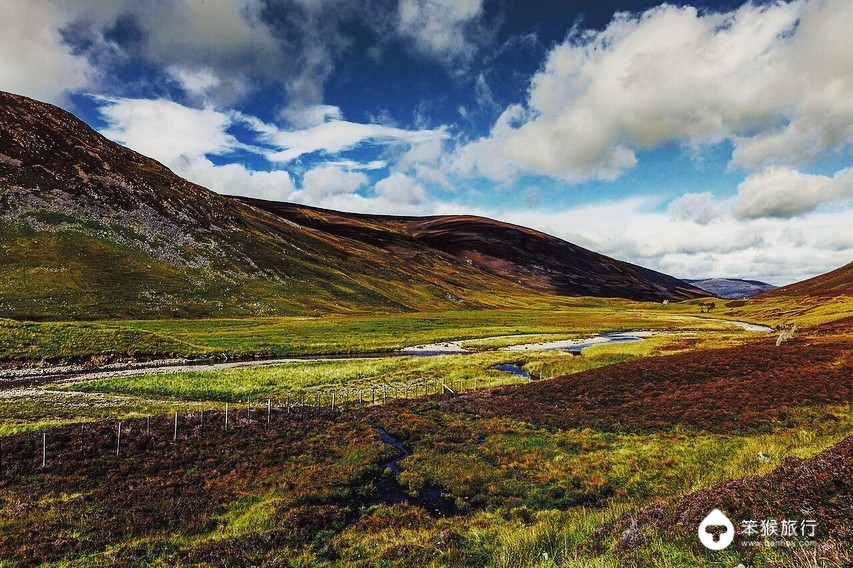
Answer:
(198, 82)
(164, 130)
(338, 135)
(840, 240)
(325, 181)
(400, 189)
(770, 78)
(182, 137)
(311, 115)
(778, 251)
(783, 192)
(235, 179)
(439, 28)
(698, 207)
(218, 48)
(34, 61)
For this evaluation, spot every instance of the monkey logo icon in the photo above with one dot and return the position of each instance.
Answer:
(716, 539)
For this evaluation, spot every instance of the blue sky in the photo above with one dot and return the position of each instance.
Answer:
(697, 138)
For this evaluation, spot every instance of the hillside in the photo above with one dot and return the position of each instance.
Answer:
(839, 282)
(91, 229)
(536, 260)
(732, 288)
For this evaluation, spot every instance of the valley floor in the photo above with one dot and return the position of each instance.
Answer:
(606, 459)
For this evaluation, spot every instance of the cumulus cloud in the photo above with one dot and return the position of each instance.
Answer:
(335, 188)
(400, 189)
(698, 207)
(326, 180)
(778, 251)
(235, 179)
(441, 29)
(769, 78)
(784, 192)
(34, 59)
(305, 116)
(220, 49)
(197, 82)
(182, 138)
(164, 130)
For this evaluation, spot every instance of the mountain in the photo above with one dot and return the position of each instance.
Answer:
(838, 282)
(90, 229)
(732, 288)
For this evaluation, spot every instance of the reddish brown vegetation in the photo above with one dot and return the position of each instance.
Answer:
(520, 255)
(835, 283)
(90, 503)
(819, 489)
(740, 387)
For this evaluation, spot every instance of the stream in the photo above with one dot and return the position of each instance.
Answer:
(390, 491)
(22, 377)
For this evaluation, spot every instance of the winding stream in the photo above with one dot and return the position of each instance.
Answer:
(11, 378)
(390, 491)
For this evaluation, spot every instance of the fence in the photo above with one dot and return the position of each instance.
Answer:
(22, 454)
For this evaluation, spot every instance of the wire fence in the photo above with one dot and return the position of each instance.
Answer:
(27, 453)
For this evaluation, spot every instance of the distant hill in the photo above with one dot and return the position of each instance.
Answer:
(535, 260)
(90, 229)
(732, 288)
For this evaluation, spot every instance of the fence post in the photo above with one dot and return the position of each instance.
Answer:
(269, 409)
(82, 437)
(248, 410)
(226, 415)
(43, 450)
(384, 393)
(175, 439)
(202, 420)
(333, 402)
(118, 440)
(148, 428)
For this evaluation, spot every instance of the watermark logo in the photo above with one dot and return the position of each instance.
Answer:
(716, 531)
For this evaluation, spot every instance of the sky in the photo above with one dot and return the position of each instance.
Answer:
(701, 139)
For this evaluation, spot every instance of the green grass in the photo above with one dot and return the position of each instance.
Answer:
(287, 336)
(457, 371)
(534, 496)
(26, 410)
(279, 381)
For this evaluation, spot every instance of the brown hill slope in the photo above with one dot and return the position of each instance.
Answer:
(90, 229)
(836, 283)
(534, 259)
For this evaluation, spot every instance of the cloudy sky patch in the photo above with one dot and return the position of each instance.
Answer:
(702, 139)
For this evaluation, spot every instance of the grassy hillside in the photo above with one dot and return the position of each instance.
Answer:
(92, 230)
